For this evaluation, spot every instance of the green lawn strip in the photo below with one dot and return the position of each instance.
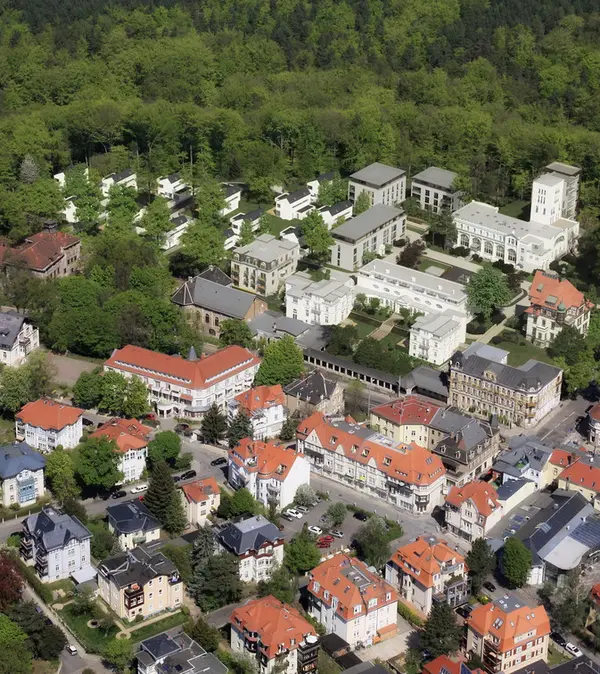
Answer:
(555, 657)
(516, 209)
(167, 623)
(93, 640)
(521, 353)
(277, 224)
(427, 262)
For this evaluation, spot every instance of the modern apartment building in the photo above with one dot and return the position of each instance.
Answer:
(352, 601)
(408, 476)
(18, 338)
(132, 524)
(263, 265)
(264, 406)
(554, 303)
(21, 474)
(369, 232)
(131, 438)
(325, 302)
(45, 424)
(428, 570)
(187, 388)
(472, 510)
(200, 498)
(434, 189)
(521, 395)
(384, 184)
(508, 635)
(276, 636)
(567, 178)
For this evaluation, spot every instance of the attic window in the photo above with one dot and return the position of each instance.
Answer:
(354, 449)
(365, 452)
(387, 461)
(333, 440)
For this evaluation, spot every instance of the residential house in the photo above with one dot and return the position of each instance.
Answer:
(272, 473)
(276, 636)
(434, 189)
(314, 186)
(208, 304)
(580, 665)
(263, 265)
(126, 178)
(314, 393)
(570, 176)
(170, 652)
(140, 582)
(187, 388)
(253, 217)
(325, 302)
(264, 406)
(180, 225)
(294, 205)
(554, 194)
(21, 474)
(132, 524)
(336, 214)
(434, 338)
(583, 476)
(352, 601)
(526, 458)
(18, 338)
(428, 570)
(383, 184)
(521, 395)
(232, 195)
(370, 232)
(472, 510)
(170, 186)
(200, 498)
(58, 545)
(593, 419)
(48, 254)
(555, 303)
(408, 476)
(513, 492)
(507, 634)
(131, 438)
(257, 543)
(45, 424)
(271, 326)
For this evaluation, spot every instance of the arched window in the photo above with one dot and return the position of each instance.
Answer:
(476, 244)
(512, 255)
(488, 248)
(464, 240)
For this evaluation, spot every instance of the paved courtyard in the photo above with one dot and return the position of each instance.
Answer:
(406, 638)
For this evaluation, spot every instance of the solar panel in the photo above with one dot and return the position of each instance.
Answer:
(588, 533)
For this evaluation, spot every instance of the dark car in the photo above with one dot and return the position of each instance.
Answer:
(222, 461)
(360, 515)
(464, 611)
(188, 475)
(119, 494)
(176, 478)
(489, 586)
(181, 428)
(558, 638)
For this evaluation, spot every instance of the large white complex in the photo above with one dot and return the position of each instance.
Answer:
(384, 184)
(325, 302)
(433, 190)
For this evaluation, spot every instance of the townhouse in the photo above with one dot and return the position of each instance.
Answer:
(57, 546)
(264, 406)
(272, 473)
(45, 424)
(408, 476)
(555, 303)
(325, 302)
(131, 438)
(21, 474)
(583, 476)
(508, 635)
(140, 582)
(275, 635)
(125, 178)
(294, 205)
(187, 388)
(383, 184)
(314, 185)
(257, 543)
(232, 195)
(200, 498)
(434, 189)
(132, 524)
(472, 510)
(176, 652)
(352, 601)
(526, 458)
(18, 338)
(170, 186)
(252, 217)
(428, 570)
(314, 393)
(336, 214)
(521, 395)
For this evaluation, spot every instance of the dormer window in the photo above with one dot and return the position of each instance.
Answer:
(365, 452)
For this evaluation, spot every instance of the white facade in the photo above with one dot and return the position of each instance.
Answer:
(170, 186)
(383, 184)
(173, 236)
(47, 439)
(435, 338)
(132, 464)
(232, 199)
(294, 205)
(69, 211)
(334, 215)
(467, 522)
(125, 178)
(254, 568)
(546, 199)
(26, 340)
(12, 488)
(325, 302)
(433, 190)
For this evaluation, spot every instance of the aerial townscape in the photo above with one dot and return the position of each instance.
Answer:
(300, 337)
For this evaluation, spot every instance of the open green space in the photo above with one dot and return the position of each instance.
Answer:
(427, 262)
(555, 657)
(167, 623)
(392, 341)
(276, 224)
(364, 329)
(521, 353)
(517, 209)
(93, 640)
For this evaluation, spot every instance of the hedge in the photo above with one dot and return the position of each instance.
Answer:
(409, 615)
(364, 318)
(28, 572)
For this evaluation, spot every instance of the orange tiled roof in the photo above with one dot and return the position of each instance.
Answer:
(508, 624)
(408, 463)
(440, 663)
(548, 291)
(49, 414)
(200, 490)
(40, 250)
(272, 460)
(260, 398)
(561, 457)
(195, 374)
(409, 410)
(424, 557)
(482, 494)
(595, 594)
(127, 433)
(582, 474)
(351, 583)
(277, 624)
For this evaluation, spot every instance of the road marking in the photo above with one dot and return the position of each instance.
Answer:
(560, 423)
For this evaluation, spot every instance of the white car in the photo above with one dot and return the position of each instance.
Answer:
(317, 531)
(71, 649)
(138, 489)
(337, 533)
(573, 649)
(294, 513)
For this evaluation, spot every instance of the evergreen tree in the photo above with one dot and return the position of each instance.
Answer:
(205, 634)
(515, 562)
(239, 427)
(204, 546)
(481, 561)
(161, 489)
(214, 425)
(136, 403)
(288, 429)
(175, 520)
(217, 582)
(441, 633)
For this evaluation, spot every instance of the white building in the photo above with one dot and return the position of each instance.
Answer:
(570, 175)
(173, 236)
(294, 205)
(264, 406)
(69, 210)
(325, 302)
(271, 473)
(57, 545)
(179, 387)
(433, 188)
(384, 184)
(232, 195)
(472, 510)
(170, 186)
(18, 338)
(200, 498)
(352, 601)
(131, 438)
(21, 474)
(435, 338)
(126, 178)
(45, 424)
(314, 186)
(336, 214)
(132, 524)
(253, 217)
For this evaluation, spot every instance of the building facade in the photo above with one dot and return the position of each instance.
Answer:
(126, 178)
(435, 338)
(200, 498)
(131, 438)
(526, 458)
(434, 189)
(21, 474)
(264, 406)
(18, 338)
(314, 393)
(132, 524)
(336, 214)
(325, 302)
(472, 510)
(582, 476)
(45, 424)
(383, 184)
(263, 265)
(593, 419)
(47, 255)
(294, 205)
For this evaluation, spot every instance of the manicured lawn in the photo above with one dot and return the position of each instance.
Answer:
(517, 209)
(159, 626)
(392, 341)
(364, 329)
(277, 224)
(428, 262)
(93, 640)
(521, 353)
(555, 657)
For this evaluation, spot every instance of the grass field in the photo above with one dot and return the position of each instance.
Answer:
(555, 657)
(364, 329)
(153, 629)
(93, 640)
(517, 209)
(521, 353)
(392, 340)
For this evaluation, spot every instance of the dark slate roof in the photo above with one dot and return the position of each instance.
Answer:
(131, 516)
(10, 326)
(333, 643)
(338, 361)
(230, 190)
(137, 566)
(311, 389)
(180, 220)
(173, 177)
(52, 529)
(117, 177)
(581, 665)
(510, 488)
(178, 653)
(249, 534)
(466, 434)
(212, 296)
(339, 207)
(215, 275)
(326, 177)
(426, 379)
(293, 197)
(523, 452)
(17, 457)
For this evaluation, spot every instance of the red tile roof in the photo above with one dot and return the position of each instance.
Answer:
(260, 398)
(595, 412)
(40, 250)
(127, 433)
(272, 460)
(49, 414)
(595, 594)
(561, 457)
(482, 494)
(201, 490)
(549, 291)
(425, 558)
(409, 410)
(195, 374)
(582, 474)
(443, 662)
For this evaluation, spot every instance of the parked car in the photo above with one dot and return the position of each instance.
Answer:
(287, 516)
(302, 509)
(317, 531)
(360, 515)
(337, 533)
(139, 488)
(323, 544)
(188, 475)
(558, 638)
(294, 513)
(180, 428)
(489, 586)
(327, 538)
(176, 478)
(119, 493)
(323, 519)
(71, 649)
(222, 461)
(464, 611)
(573, 650)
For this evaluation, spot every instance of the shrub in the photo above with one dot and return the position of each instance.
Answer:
(504, 267)
(399, 243)
(409, 615)
(476, 258)
(460, 251)
(476, 327)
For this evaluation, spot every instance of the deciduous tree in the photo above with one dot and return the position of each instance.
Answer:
(136, 398)
(234, 331)
(373, 544)
(282, 585)
(515, 562)
(60, 473)
(305, 495)
(337, 513)
(97, 463)
(282, 363)
(165, 446)
(487, 289)
(11, 581)
(361, 204)
(301, 553)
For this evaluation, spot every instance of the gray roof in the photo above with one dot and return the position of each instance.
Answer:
(216, 275)
(10, 326)
(178, 654)
(378, 174)
(438, 325)
(467, 436)
(337, 208)
(525, 452)
(230, 190)
(510, 488)
(53, 529)
(273, 325)
(426, 379)
(567, 169)
(301, 284)
(117, 177)
(367, 222)
(438, 177)
(293, 197)
(137, 566)
(311, 389)
(486, 351)
(131, 516)
(266, 248)
(248, 535)
(215, 297)
(581, 665)
(18, 457)
(343, 363)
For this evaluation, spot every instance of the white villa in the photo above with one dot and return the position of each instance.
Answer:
(325, 302)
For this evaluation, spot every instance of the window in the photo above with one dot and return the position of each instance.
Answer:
(357, 609)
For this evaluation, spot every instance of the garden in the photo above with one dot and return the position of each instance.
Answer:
(519, 349)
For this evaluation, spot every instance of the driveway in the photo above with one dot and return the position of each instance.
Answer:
(406, 638)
